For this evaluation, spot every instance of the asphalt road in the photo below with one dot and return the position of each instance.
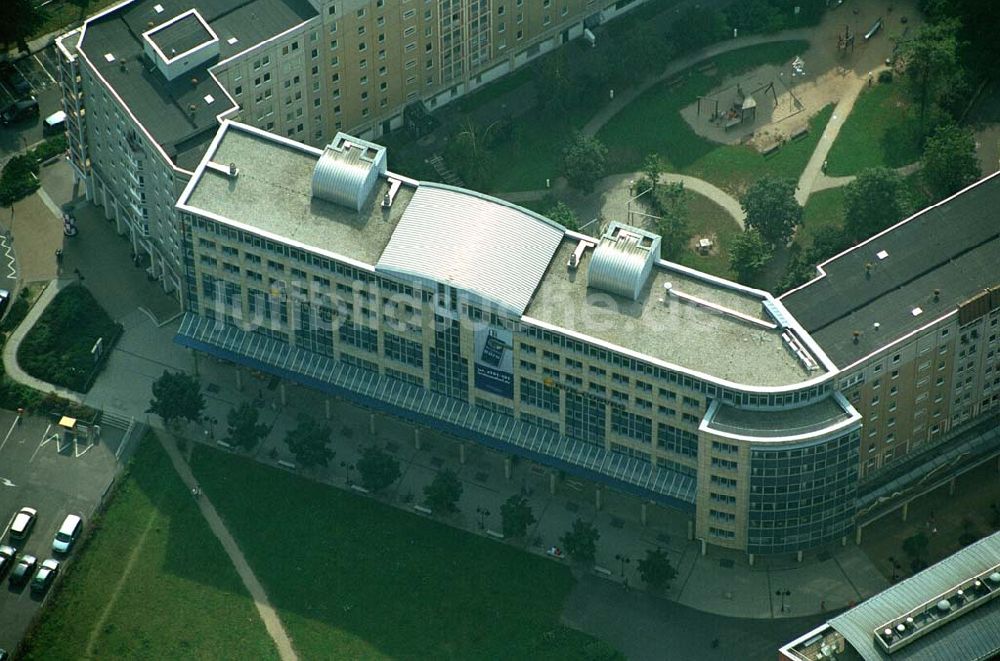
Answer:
(38, 471)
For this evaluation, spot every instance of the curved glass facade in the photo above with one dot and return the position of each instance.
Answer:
(802, 495)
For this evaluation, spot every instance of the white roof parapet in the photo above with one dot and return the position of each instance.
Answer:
(347, 171)
(492, 249)
(623, 260)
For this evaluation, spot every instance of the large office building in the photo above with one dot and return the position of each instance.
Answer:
(146, 82)
(773, 421)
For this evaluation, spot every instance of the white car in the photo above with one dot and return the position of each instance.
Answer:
(22, 523)
(70, 529)
(55, 122)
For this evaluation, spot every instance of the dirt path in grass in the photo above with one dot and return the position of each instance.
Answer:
(267, 613)
(106, 613)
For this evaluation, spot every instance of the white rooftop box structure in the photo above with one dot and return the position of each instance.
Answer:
(181, 44)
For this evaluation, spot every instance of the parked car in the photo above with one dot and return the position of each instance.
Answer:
(7, 554)
(22, 523)
(4, 301)
(20, 110)
(13, 79)
(45, 575)
(23, 569)
(55, 123)
(70, 529)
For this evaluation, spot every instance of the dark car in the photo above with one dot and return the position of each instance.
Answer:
(13, 79)
(20, 111)
(46, 574)
(23, 570)
(7, 554)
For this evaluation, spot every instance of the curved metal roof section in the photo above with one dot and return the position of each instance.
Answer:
(619, 269)
(346, 171)
(492, 249)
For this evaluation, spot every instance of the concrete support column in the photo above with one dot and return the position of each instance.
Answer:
(508, 467)
(843, 540)
(328, 408)
(461, 453)
(371, 424)
(283, 392)
(857, 535)
(998, 463)
(416, 438)
(951, 487)
(239, 378)
(906, 510)
(798, 556)
(597, 499)
(750, 558)
(704, 547)
(690, 530)
(552, 483)
(644, 513)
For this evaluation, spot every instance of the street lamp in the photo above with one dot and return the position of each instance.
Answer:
(622, 560)
(783, 594)
(483, 514)
(349, 468)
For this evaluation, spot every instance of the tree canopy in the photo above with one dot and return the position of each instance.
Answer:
(580, 541)
(770, 206)
(309, 442)
(931, 60)
(243, 430)
(950, 162)
(177, 396)
(19, 19)
(656, 569)
(875, 200)
(443, 491)
(749, 253)
(584, 162)
(516, 516)
(562, 214)
(378, 469)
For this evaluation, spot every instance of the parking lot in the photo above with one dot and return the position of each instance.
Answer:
(40, 73)
(40, 469)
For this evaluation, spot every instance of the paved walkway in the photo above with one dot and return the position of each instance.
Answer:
(267, 613)
(626, 97)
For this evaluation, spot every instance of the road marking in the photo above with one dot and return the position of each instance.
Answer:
(7, 483)
(44, 69)
(43, 442)
(29, 80)
(9, 432)
(8, 252)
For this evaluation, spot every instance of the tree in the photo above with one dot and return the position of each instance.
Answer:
(770, 206)
(875, 200)
(669, 202)
(931, 60)
(378, 469)
(177, 396)
(697, 27)
(557, 92)
(516, 516)
(471, 152)
(19, 19)
(656, 570)
(308, 443)
(562, 214)
(652, 168)
(243, 428)
(443, 491)
(950, 161)
(584, 162)
(748, 254)
(580, 542)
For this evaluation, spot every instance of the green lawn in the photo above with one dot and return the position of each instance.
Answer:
(353, 578)
(653, 123)
(706, 218)
(181, 598)
(734, 167)
(880, 131)
(825, 207)
(58, 347)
